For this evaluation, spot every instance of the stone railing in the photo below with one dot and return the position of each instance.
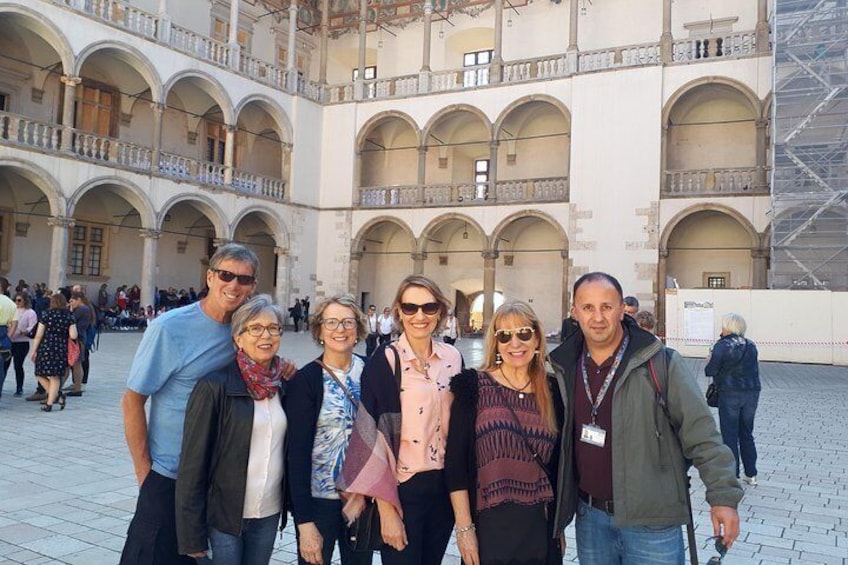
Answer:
(261, 71)
(533, 69)
(202, 47)
(391, 87)
(251, 183)
(715, 47)
(119, 13)
(310, 89)
(31, 133)
(726, 181)
(114, 150)
(381, 196)
(551, 189)
(618, 57)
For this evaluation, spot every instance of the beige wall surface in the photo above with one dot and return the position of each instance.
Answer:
(790, 326)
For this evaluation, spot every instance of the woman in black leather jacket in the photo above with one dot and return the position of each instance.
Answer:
(231, 484)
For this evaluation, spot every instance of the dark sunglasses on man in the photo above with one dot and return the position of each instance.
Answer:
(226, 276)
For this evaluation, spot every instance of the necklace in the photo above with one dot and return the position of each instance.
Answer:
(512, 385)
(342, 369)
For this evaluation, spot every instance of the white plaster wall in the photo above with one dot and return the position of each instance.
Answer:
(540, 29)
(690, 12)
(788, 333)
(618, 22)
(191, 14)
(30, 254)
(307, 153)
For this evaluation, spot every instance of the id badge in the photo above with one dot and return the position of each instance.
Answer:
(593, 435)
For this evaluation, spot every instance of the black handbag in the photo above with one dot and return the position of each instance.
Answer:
(712, 396)
(364, 533)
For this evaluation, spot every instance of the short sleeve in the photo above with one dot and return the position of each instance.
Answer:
(154, 359)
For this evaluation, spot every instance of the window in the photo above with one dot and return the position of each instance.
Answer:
(97, 109)
(370, 73)
(478, 76)
(716, 280)
(221, 32)
(86, 253)
(481, 177)
(4, 102)
(216, 141)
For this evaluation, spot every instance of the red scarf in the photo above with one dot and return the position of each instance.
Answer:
(262, 382)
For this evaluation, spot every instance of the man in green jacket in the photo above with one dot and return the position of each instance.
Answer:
(623, 469)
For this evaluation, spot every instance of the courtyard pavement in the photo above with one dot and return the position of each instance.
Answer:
(67, 487)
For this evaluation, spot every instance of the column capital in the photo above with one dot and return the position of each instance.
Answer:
(422, 149)
(356, 255)
(490, 254)
(759, 253)
(419, 256)
(69, 80)
(563, 253)
(61, 222)
(157, 107)
(219, 241)
(428, 7)
(494, 144)
(281, 251)
(149, 234)
(231, 128)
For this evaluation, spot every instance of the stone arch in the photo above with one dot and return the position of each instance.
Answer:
(555, 102)
(754, 102)
(273, 108)
(43, 180)
(377, 118)
(127, 190)
(47, 29)
(439, 221)
(208, 206)
(505, 223)
(213, 88)
(357, 241)
(438, 116)
(704, 207)
(281, 234)
(129, 55)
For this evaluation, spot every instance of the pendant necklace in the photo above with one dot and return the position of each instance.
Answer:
(511, 384)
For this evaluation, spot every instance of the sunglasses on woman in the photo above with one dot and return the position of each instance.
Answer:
(226, 276)
(524, 334)
(410, 309)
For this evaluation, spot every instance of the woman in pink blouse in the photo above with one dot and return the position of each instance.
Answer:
(397, 450)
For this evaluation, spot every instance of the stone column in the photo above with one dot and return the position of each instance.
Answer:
(662, 270)
(163, 33)
(666, 39)
(229, 154)
(762, 27)
(492, 195)
(424, 73)
(762, 153)
(759, 278)
(291, 75)
(572, 51)
(59, 250)
(232, 40)
(422, 165)
(418, 263)
(353, 273)
(497, 55)
(281, 290)
(325, 33)
(158, 112)
(148, 265)
(566, 289)
(359, 85)
(68, 107)
(489, 258)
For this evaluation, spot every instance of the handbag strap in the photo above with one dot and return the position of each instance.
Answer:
(338, 380)
(536, 457)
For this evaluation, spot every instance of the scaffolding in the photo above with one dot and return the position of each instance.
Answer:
(810, 157)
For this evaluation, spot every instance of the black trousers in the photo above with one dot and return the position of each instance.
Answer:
(331, 524)
(152, 535)
(385, 338)
(427, 518)
(19, 353)
(370, 344)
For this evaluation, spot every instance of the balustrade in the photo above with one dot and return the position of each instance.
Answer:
(715, 47)
(532, 190)
(526, 190)
(200, 46)
(262, 71)
(725, 181)
(251, 183)
(618, 57)
(32, 133)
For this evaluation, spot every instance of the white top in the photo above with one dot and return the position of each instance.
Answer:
(263, 491)
(386, 323)
(372, 324)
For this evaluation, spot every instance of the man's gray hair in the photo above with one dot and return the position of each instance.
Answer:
(235, 252)
(251, 309)
(734, 323)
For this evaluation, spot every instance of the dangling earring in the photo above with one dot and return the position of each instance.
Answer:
(536, 353)
(321, 341)
(498, 359)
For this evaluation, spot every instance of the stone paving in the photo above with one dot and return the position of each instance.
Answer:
(67, 488)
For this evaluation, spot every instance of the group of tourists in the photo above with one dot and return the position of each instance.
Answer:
(411, 442)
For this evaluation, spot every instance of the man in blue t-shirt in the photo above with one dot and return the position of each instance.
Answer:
(178, 348)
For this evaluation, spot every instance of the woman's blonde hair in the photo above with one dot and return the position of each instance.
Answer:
(522, 311)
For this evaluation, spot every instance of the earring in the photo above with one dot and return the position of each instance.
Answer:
(321, 341)
(498, 359)
(536, 353)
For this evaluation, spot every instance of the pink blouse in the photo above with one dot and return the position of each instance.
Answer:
(425, 401)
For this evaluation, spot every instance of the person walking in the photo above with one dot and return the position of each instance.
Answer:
(503, 447)
(734, 367)
(321, 403)
(296, 312)
(50, 349)
(26, 321)
(373, 334)
(386, 325)
(8, 311)
(451, 331)
(402, 466)
(231, 484)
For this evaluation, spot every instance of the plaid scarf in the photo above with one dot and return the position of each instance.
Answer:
(261, 382)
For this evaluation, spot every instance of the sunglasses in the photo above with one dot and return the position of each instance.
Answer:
(720, 548)
(410, 309)
(524, 334)
(226, 276)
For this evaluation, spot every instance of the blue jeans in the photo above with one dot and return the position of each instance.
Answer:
(253, 547)
(331, 525)
(736, 410)
(601, 542)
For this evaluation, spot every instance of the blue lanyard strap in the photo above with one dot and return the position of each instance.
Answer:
(596, 404)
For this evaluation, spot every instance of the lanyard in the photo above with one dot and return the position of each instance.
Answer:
(596, 404)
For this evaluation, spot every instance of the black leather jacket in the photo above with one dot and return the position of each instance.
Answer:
(213, 465)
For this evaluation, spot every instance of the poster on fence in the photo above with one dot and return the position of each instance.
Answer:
(698, 323)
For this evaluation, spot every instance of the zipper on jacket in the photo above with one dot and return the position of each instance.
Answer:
(658, 434)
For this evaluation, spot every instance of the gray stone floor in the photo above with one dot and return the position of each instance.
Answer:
(67, 489)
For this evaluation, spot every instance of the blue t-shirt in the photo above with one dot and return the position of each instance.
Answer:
(177, 349)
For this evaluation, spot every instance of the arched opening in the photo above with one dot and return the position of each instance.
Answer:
(459, 157)
(189, 238)
(386, 249)
(475, 315)
(258, 232)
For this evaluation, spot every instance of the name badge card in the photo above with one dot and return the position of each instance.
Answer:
(593, 435)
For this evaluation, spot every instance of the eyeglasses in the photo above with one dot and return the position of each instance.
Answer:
(333, 323)
(720, 548)
(19, 299)
(226, 276)
(410, 309)
(256, 330)
(524, 334)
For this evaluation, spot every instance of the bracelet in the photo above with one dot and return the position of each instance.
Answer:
(469, 528)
